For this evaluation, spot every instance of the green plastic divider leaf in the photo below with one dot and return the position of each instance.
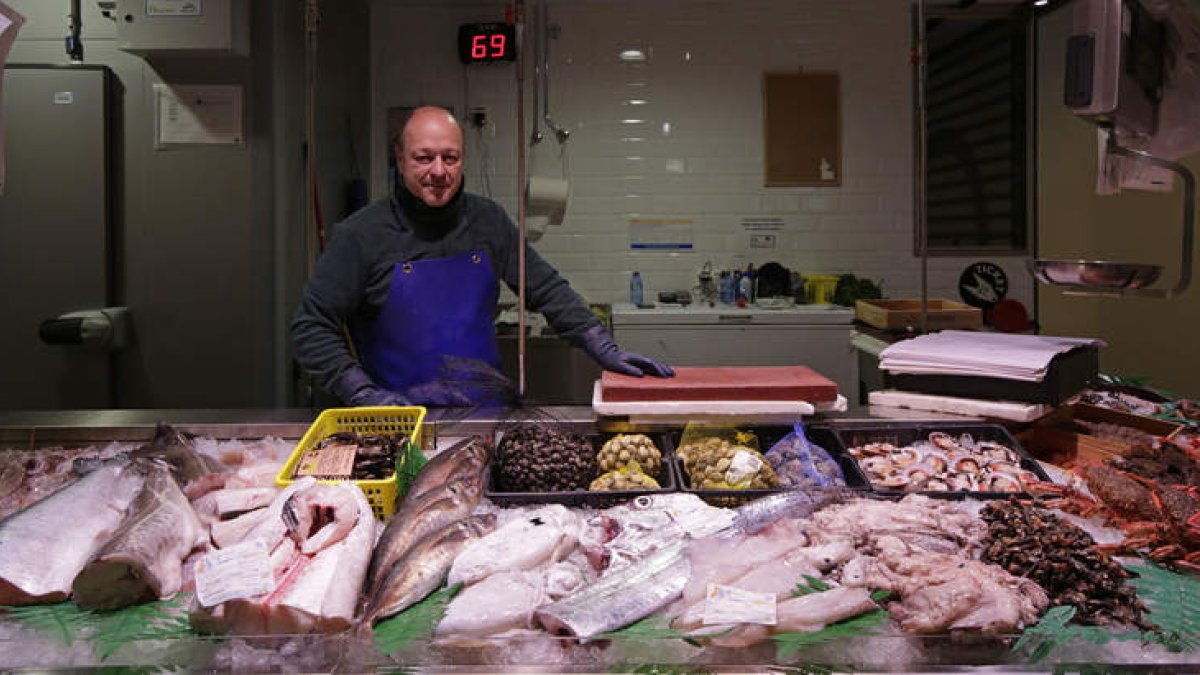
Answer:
(864, 624)
(415, 623)
(61, 621)
(1172, 604)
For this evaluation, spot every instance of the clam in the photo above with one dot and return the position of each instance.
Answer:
(880, 466)
(937, 485)
(961, 481)
(995, 451)
(1001, 482)
(936, 461)
(943, 440)
(905, 457)
(894, 482)
(966, 465)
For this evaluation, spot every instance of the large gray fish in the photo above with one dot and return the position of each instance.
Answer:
(423, 569)
(758, 514)
(44, 546)
(196, 473)
(468, 456)
(419, 518)
(621, 597)
(143, 560)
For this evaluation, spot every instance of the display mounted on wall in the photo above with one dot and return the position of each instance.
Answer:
(487, 42)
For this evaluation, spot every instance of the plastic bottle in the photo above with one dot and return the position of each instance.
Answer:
(636, 290)
(727, 292)
(743, 292)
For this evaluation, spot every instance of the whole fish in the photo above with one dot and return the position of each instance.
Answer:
(418, 518)
(758, 514)
(467, 456)
(545, 534)
(143, 560)
(43, 547)
(195, 473)
(423, 569)
(622, 596)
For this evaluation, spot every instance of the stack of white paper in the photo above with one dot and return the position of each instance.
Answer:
(999, 355)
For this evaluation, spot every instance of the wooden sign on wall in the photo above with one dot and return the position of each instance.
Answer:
(802, 130)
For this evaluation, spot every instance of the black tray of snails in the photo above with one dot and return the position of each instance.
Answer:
(537, 464)
(942, 460)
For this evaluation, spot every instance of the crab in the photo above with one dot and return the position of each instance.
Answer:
(1162, 520)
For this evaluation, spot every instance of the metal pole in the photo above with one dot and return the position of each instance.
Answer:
(921, 224)
(519, 137)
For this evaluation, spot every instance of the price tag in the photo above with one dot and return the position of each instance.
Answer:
(726, 604)
(240, 571)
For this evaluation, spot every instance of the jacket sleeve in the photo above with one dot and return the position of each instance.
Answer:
(547, 291)
(333, 293)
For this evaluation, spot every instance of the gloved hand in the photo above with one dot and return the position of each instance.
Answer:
(357, 389)
(437, 394)
(374, 396)
(598, 343)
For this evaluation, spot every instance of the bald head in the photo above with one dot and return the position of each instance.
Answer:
(430, 155)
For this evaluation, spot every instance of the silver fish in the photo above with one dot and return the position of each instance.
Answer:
(423, 569)
(417, 519)
(621, 597)
(760, 513)
(44, 546)
(143, 560)
(468, 456)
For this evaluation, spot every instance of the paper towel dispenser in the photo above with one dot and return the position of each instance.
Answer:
(104, 329)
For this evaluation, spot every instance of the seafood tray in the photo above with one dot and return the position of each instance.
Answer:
(585, 498)
(921, 446)
(767, 437)
(381, 494)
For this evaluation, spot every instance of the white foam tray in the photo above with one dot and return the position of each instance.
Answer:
(659, 409)
(1006, 410)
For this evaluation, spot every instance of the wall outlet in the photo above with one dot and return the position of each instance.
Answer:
(762, 241)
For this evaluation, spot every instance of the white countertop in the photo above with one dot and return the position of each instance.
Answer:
(624, 313)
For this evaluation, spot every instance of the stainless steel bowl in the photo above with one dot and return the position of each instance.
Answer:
(1095, 273)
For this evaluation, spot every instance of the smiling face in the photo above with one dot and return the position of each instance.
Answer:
(430, 157)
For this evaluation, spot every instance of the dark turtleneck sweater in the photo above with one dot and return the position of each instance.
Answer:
(352, 278)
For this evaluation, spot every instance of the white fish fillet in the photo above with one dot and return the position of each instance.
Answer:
(143, 560)
(217, 504)
(545, 534)
(225, 533)
(43, 547)
(313, 593)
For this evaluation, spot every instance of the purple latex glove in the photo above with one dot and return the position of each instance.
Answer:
(599, 344)
(437, 393)
(358, 390)
(374, 396)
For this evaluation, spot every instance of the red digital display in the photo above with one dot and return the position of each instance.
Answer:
(487, 42)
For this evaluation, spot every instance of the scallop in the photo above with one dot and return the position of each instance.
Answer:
(905, 457)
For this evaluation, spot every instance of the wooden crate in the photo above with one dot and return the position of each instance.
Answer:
(901, 313)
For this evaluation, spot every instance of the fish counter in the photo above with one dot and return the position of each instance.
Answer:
(550, 540)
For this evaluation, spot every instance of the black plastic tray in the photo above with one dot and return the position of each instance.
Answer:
(587, 498)
(1069, 374)
(902, 434)
(767, 437)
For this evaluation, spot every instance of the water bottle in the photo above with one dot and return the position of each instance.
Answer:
(635, 289)
(745, 287)
(728, 295)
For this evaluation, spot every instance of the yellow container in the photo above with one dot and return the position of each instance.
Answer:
(819, 288)
(382, 494)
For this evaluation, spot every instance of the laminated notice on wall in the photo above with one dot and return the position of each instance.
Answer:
(209, 114)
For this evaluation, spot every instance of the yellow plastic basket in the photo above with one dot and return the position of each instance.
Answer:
(819, 288)
(381, 494)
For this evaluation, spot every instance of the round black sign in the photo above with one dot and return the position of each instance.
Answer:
(983, 284)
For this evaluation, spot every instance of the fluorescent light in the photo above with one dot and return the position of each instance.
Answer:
(632, 55)
(1041, 3)
(636, 101)
(633, 121)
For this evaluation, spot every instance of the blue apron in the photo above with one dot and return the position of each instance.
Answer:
(435, 308)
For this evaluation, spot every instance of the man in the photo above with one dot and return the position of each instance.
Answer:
(415, 279)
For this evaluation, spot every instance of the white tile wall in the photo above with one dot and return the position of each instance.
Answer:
(698, 152)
